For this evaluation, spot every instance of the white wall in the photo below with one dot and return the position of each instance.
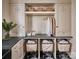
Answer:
(73, 28)
(40, 24)
(5, 9)
(37, 24)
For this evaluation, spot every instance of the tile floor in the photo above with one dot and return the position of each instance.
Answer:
(47, 55)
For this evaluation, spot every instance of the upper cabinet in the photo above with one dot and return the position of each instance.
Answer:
(63, 19)
(18, 16)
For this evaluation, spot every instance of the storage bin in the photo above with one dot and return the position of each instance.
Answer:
(47, 45)
(31, 49)
(31, 45)
(64, 46)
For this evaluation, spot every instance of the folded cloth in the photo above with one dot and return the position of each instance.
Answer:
(47, 47)
(63, 41)
(29, 41)
(46, 41)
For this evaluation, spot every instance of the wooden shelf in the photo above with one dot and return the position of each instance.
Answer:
(40, 13)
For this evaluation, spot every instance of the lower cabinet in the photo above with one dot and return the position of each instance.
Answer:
(42, 49)
(17, 50)
(39, 49)
(48, 48)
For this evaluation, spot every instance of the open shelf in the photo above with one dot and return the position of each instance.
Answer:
(39, 13)
(39, 9)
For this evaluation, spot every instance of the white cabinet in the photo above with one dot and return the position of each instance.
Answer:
(17, 15)
(63, 19)
(17, 50)
(14, 18)
(14, 53)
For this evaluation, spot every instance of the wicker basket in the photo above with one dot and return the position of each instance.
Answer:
(31, 45)
(47, 46)
(64, 46)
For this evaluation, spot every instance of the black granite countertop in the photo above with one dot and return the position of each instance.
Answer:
(9, 43)
(63, 37)
(48, 37)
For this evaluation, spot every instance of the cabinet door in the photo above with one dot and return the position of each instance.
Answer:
(63, 19)
(17, 50)
(20, 52)
(20, 49)
(18, 16)
(14, 53)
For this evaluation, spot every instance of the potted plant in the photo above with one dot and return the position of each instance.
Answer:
(7, 27)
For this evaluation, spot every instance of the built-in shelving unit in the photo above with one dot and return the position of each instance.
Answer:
(39, 13)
